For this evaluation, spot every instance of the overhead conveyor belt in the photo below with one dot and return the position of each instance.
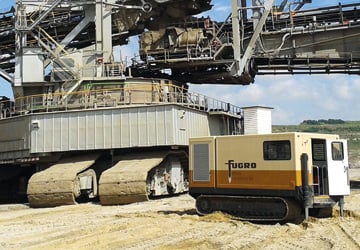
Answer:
(125, 182)
(61, 184)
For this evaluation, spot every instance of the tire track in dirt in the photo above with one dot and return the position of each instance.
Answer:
(332, 233)
(349, 235)
(344, 239)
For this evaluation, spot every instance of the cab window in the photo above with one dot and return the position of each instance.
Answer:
(276, 150)
(337, 151)
(318, 150)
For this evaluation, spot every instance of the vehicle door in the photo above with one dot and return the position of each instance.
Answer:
(338, 167)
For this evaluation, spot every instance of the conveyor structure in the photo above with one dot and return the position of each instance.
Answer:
(289, 41)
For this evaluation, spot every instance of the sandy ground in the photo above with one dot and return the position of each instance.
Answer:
(170, 223)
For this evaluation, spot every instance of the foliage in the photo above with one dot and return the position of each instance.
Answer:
(322, 121)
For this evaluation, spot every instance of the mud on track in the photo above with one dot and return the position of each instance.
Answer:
(169, 223)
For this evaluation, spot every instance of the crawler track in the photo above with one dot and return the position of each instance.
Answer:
(126, 181)
(136, 177)
(250, 208)
(60, 184)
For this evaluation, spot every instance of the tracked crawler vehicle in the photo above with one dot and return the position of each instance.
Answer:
(89, 129)
(120, 143)
(269, 177)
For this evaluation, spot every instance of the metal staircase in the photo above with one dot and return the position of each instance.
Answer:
(29, 22)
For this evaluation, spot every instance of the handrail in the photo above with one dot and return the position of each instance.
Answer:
(116, 97)
(316, 180)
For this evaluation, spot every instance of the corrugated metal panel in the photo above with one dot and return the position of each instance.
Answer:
(257, 120)
(264, 121)
(250, 121)
(124, 127)
(117, 128)
(190, 123)
(14, 138)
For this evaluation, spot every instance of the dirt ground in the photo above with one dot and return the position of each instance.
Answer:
(170, 223)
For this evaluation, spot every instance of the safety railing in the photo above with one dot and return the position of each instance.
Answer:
(319, 179)
(117, 97)
(315, 18)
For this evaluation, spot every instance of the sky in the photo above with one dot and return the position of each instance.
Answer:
(294, 98)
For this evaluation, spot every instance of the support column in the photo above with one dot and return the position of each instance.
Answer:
(236, 32)
(103, 36)
(20, 42)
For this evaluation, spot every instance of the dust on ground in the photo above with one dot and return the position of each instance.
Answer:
(169, 223)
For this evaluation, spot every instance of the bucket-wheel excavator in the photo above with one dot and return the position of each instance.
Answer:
(87, 122)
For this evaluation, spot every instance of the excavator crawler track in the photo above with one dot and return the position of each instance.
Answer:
(133, 177)
(251, 208)
(61, 183)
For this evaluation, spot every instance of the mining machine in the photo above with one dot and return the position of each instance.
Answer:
(85, 123)
(81, 126)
